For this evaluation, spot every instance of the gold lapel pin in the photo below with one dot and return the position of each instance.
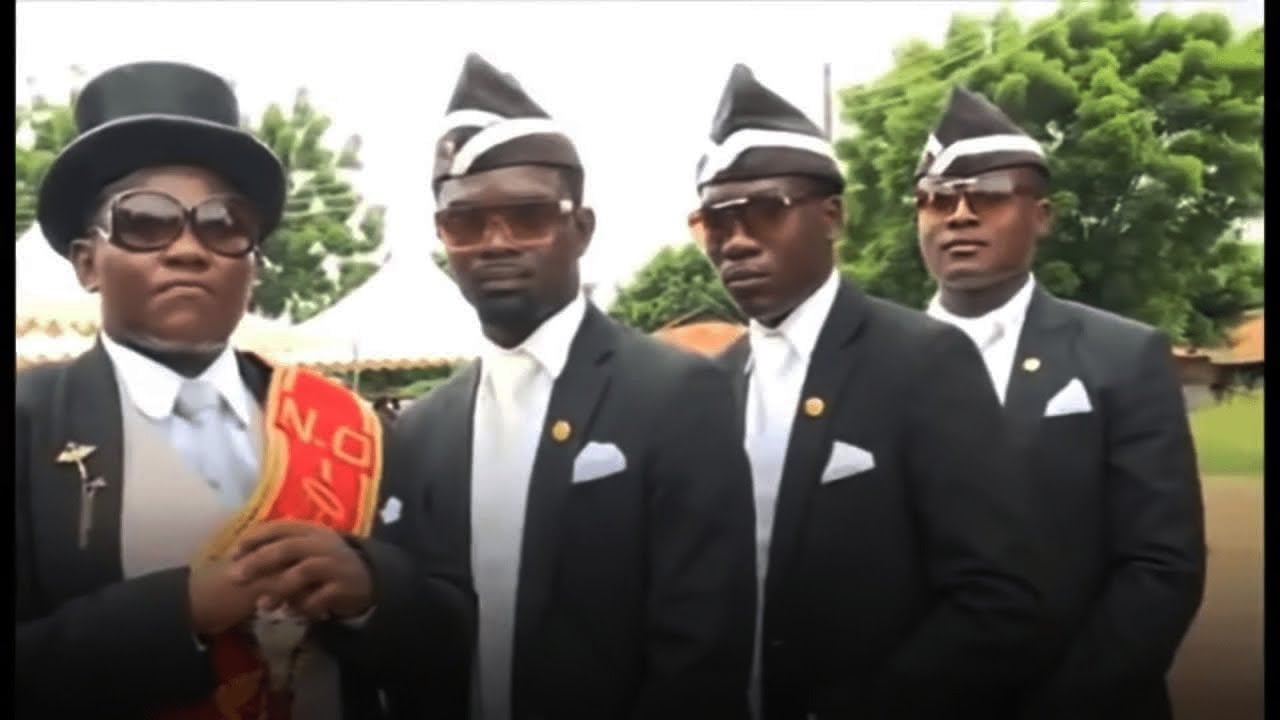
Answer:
(1031, 364)
(814, 406)
(561, 430)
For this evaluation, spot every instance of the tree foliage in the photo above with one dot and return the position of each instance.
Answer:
(678, 283)
(322, 249)
(43, 129)
(1154, 134)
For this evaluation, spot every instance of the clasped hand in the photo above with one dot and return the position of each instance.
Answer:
(309, 568)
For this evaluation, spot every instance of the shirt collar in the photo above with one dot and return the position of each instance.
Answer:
(803, 326)
(153, 388)
(549, 344)
(1010, 315)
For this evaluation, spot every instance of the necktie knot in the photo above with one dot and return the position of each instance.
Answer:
(196, 398)
(993, 333)
(772, 351)
(511, 371)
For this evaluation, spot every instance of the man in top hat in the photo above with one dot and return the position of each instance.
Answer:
(192, 524)
(895, 562)
(590, 481)
(1095, 404)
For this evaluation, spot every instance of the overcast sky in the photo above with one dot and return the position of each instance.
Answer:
(635, 83)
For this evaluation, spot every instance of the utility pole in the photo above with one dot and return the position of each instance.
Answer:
(826, 100)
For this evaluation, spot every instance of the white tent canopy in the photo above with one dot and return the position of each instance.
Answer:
(48, 296)
(408, 314)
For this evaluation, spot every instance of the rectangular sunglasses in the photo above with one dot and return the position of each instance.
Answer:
(526, 223)
(982, 194)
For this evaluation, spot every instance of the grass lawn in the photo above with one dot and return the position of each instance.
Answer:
(1229, 436)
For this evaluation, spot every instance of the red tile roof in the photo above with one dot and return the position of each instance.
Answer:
(708, 338)
(1246, 344)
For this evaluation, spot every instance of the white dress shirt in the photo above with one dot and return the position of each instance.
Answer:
(511, 407)
(153, 389)
(996, 334)
(778, 366)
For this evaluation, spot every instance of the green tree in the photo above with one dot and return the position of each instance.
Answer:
(676, 284)
(322, 249)
(1153, 130)
(42, 130)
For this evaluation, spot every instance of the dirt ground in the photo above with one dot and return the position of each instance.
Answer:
(1218, 672)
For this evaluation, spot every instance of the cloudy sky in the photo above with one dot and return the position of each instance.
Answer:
(635, 83)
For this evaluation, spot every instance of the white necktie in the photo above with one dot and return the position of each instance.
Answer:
(497, 524)
(772, 358)
(211, 453)
(768, 432)
(987, 334)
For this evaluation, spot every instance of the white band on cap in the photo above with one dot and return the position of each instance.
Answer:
(505, 130)
(722, 156)
(467, 118)
(933, 146)
(981, 146)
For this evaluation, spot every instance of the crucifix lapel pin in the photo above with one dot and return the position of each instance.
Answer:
(75, 454)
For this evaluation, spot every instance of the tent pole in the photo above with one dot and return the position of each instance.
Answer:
(355, 357)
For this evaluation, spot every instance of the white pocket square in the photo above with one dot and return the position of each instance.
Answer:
(1070, 400)
(596, 460)
(390, 510)
(847, 460)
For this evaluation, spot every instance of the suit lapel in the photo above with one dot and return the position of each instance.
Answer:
(830, 367)
(86, 411)
(454, 437)
(734, 360)
(256, 374)
(574, 399)
(1042, 365)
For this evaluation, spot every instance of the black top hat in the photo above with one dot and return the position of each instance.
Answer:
(491, 122)
(757, 133)
(974, 136)
(146, 115)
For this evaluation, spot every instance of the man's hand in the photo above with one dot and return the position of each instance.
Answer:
(309, 567)
(219, 600)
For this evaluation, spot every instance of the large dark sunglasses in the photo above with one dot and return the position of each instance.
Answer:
(149, 220)
(526, 223)
(984, 194)
(759, 216)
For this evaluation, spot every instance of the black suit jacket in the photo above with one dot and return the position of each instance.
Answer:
(907, 590)
(92, 644)
(1118, 494)
(636, 590)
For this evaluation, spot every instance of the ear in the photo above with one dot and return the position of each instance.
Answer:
(83, 255)
(584, 220)
(833, 213)
(1043, 217)
(255, 269)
